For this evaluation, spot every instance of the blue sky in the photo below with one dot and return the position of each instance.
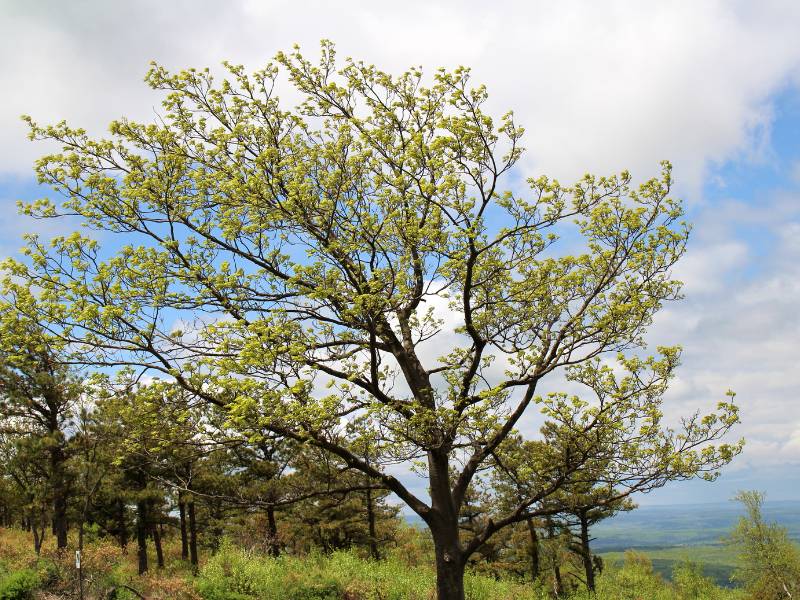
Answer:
(711, 86)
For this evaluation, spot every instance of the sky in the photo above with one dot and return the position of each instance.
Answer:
(712, 86)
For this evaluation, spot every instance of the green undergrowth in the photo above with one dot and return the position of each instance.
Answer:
(232, 574)
(19, 585)
(236, 574)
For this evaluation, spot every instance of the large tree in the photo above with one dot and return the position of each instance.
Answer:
(268, 253)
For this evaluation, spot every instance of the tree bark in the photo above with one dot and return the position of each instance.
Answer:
(558, 584)
(58, 481)
(192, 536)
(122, 526)
(450, 556)
(534, 550)
(449, 567)
(38, 536)
(184, 538)
(586, 553)
(141, 534)
(157, 544)
(373, 537)
(156, 533)
(272, 532)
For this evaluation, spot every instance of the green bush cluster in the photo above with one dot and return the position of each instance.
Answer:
(19, 585)
(637, 580)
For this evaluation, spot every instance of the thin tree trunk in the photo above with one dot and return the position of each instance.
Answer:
(192, 536)
(141, 534)
(122, 526)
(586, 553)
(157, 544)
(272, 532)
(534, 550)
(156, 533)
(373, 537)
(59, 485)
(184, 538)
(37, 538)
(558, 584)
(80, 553)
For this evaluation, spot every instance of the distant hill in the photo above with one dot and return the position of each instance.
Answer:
(684, 525)
(676, 525)
(675, 533)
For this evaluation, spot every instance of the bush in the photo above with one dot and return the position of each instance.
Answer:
(323, 590)
(691, 583)
(19, 585)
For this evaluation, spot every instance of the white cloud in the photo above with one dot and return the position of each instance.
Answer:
(599, 86)
(740, 330)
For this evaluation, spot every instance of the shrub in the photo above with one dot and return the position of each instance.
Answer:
(691, 584)
(321, 590)
(19, 585)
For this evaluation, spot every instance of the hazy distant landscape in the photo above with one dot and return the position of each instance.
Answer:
(660, 527)
(675, 533)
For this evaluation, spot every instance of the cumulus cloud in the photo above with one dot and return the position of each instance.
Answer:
(739, 327)
(599, 86)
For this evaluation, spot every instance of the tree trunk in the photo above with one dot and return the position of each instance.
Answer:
(38, 537)
(192, 536)
(449, 568)
(586, 553)
(558, 584)
(156, 533)
(450, 558)
(184, 538)
(157, 544)
(122, 526)
(534, 550)
(272, 532)
(59, 485)
(373, 537)
(80, 551)
(141, 534)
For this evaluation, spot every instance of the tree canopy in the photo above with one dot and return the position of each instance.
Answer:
(285, 265)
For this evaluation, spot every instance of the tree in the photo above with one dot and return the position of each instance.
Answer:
(148, 434)
(38, 392)
(309, 247)
(333, 506)
(25, 468)
(770, 565)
